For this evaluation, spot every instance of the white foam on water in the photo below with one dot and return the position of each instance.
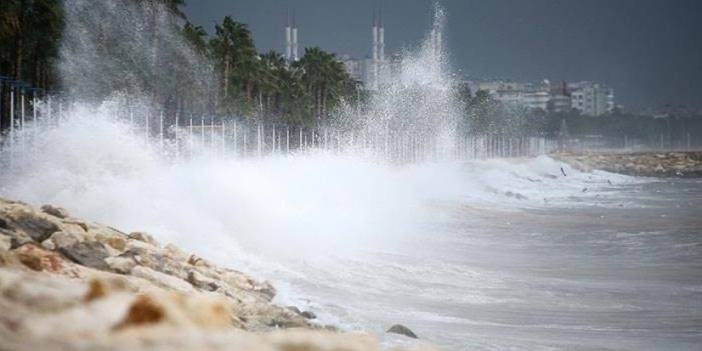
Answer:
(287, 205)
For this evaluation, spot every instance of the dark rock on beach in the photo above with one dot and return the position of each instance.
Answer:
(402, 330)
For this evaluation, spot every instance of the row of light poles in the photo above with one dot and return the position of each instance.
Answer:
(18, 91)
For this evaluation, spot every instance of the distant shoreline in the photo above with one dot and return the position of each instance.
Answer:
(665, 164)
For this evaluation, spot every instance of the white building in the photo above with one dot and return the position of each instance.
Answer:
(530, 95)
(354, 67)
(591, 99)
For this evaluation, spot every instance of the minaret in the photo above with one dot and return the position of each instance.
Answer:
(436, 40)
(381, 36)
(288, 38)
(375, 37)
(376, 53)
(294, 38)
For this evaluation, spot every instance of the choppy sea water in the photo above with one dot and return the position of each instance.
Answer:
(620, 270)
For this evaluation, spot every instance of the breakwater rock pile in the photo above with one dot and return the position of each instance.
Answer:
(69, 284)
(645, 164)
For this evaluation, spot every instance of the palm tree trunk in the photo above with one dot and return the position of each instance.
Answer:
(19, 52)
(155, 39)
(249, 91)
(225, 75)
(324, 101)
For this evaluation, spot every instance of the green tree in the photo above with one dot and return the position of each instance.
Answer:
(325, 79)
(234, 54)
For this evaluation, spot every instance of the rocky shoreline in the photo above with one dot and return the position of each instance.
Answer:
(645, 164)
(69, 284)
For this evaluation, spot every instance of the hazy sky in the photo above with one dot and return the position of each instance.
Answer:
(649, 51)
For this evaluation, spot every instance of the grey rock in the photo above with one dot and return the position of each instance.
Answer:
(402, 330)
(89, 253)
(37, 227)
(201, 282)
(17, 239)
(5, 242)
(157, 262)
(122, 265)
(48, 244)
(266, 290)
(308, 314)
(59, 212)
(161, 279)
(144, 237)
(62, 239)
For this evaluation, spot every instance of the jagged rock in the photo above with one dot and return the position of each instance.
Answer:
(161, 279)
(402, 330)
(197, 261)
(60, 240)
(119, 264)
(5, 242)
(17, 238)
(38, 259)
(59, 212)
(73, 225)
(239, 281)
(201, 282)
(90, 254)
(36, 225)
(174, 252)
(305, 314)
(156, 259)
(308, 314)
(116, 242)
(266, 290)
(143, 237)
(48, 244)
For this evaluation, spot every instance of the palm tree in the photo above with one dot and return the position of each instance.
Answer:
(273, 68)
(325, 78)
(234, 53)
(196, 37)
(29, 33)
(29, 39)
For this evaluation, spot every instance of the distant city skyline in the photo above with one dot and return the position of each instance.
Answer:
(649, 51)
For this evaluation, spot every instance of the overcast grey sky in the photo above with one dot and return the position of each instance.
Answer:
(649, 51)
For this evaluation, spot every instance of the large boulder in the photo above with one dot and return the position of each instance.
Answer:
(162, 280)
(37, 226)
(143, 237)
(5, 242)
(88, 253)
(58, 212)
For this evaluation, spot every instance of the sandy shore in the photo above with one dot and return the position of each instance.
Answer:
(69, 284)
(647, 164)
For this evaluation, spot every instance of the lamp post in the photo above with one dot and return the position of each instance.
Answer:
(3, 79)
